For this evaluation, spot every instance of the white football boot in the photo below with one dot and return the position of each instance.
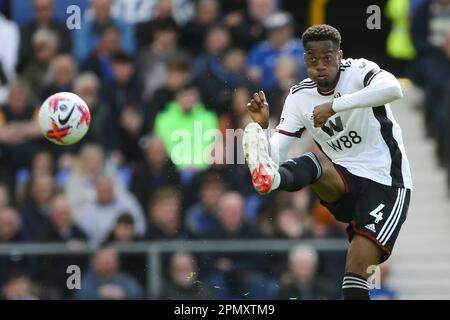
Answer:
(256, 152)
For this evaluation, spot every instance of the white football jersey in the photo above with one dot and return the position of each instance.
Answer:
(366, 141)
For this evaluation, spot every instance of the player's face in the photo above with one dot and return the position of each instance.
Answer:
(322, 60)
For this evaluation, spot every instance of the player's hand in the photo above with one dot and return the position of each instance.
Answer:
(321, 114)
(259, 109)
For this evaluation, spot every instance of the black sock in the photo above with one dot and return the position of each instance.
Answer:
(355, 287)
(298, 173)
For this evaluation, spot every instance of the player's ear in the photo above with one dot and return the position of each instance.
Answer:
(340, 55)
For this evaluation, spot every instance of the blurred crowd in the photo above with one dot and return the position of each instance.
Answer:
(430, 30)
(125, 182)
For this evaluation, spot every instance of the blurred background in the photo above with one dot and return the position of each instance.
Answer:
(118, 207)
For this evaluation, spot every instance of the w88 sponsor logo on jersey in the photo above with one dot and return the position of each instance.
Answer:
(345, 141)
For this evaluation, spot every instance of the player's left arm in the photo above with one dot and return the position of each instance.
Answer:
(378, 88)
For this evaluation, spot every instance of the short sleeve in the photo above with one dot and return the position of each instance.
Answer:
(291, 123)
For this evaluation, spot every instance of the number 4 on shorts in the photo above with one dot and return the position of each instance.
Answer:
(377, 214)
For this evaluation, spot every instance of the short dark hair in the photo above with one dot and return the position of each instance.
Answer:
(211, 178)
(122, 57)
(179, 62)
(322, 32)
(125, 218)
(165, 24)
(164, 193)
(191, 85)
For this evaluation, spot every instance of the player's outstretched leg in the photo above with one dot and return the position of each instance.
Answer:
(292, 175)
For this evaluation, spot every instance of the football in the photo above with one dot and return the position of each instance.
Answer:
(64, 118)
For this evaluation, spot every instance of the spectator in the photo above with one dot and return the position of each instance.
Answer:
(183, 281)
(325, 226)
(247, 29)
(194, 32)
(130, 127)
(153, 59)
(19, 288)
(98, 217)
(399, 45)
(302, 202)
(41, 163)
(230, 215)
(178, 75)
(35, 213)
(222, 77)
(201, 217)
(80, 175)
(303, 283)
(10, 227)
(19, 131)
(430, 31)
(80, 185)
(238, 106)
(99, 60)
(155, 171)
(289, 225)
(124, 232)
(10, 232)
(87, 86)
(233, 177)
(217, 41)
(288, 73)
(238, 116)
(235, 275)
(8, 55)
(43, 19)
(163, 11)
(164, 215)
(94, 24)
(286, 223)
(45, 47)
(280, 41)
(61, 229)
(59, 77)
(124, 86)
(183, 115)
(105, 281)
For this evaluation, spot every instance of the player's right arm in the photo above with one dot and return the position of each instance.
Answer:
(287, 131)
